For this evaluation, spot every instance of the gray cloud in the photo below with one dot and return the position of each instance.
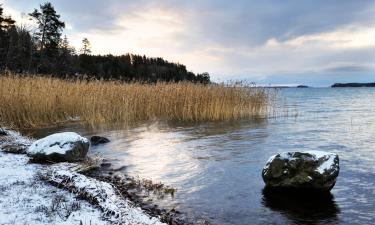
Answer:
(227, 38)
(350, 69)
(231, 22)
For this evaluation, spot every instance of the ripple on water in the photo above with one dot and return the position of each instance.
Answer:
(216, 167)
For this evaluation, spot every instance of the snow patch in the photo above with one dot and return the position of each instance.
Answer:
(327, 158)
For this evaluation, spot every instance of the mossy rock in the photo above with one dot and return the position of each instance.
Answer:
(302, 170)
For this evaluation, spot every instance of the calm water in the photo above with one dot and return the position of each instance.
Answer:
(216, 167)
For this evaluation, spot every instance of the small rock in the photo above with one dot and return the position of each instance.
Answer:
(3, 132)
(15, 148)
(95, 140)
(59, 147)
(304, 170)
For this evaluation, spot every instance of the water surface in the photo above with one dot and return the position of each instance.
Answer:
(216, 167)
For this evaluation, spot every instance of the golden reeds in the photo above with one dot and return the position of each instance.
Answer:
(41, 101)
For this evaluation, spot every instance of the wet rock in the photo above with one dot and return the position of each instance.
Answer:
(303, 170)
(95, 140)
(15, 148)
(59, 147)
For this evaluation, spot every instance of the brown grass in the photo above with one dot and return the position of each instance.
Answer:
(31, 101)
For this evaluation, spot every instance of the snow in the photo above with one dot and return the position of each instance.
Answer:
(27, 199)
(56, 143)
(328, 159)
(116, 209)
(320, 154)
(24, 199)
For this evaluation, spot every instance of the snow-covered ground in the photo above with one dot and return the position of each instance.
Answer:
(27, 199)
(24, 199)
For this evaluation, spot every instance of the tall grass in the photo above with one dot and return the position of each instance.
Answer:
(31, 101)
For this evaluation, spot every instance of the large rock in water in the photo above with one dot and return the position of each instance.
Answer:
(303, 170)
(59, 147)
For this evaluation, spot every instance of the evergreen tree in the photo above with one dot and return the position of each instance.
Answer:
(49, 27)
(86, 47)
(6, 24)
(48, 38)
(47, 53)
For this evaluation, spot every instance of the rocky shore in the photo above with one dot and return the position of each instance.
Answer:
(59, 193)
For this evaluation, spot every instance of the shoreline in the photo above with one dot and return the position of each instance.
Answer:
(142, 193)
(80, 199)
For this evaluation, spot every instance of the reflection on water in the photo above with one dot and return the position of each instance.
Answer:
(216, 167)
(302, 206)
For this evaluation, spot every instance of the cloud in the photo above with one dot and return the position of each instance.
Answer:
(253, 39)
(351, 68)
(354, 36)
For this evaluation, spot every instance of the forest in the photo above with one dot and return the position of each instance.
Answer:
(46, 51)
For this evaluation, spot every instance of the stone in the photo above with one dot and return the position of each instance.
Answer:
(95, 140)
(59, 147)
(3, 132)
(15, 148)
(303, 170)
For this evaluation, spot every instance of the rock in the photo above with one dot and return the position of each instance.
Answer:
(15, 148)
(303, 170)
(95, 140)
(3, 132)
(59, 147)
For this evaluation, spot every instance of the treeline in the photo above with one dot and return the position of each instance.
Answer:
(45, 51)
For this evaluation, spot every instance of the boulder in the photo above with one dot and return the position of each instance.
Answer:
(303, 170)
(95, 140)
(59, 147)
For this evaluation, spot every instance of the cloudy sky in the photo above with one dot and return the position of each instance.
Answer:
(267, 41)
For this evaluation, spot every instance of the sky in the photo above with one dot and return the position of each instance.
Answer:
(316, 43)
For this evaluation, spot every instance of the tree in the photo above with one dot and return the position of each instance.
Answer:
(86, 47)
(66, 63)
(45, 52)
(49, 27)
(6, 22)
(203, 78)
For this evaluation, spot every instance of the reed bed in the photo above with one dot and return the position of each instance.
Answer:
(32, 101)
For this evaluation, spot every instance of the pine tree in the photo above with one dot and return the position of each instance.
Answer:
(49, 27)
(6, 24)
(86, 47)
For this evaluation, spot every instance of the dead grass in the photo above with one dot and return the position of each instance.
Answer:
(30, 101)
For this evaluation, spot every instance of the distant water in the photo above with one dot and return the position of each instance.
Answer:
(216, 167)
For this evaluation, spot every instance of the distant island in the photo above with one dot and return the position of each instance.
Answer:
(353, 85)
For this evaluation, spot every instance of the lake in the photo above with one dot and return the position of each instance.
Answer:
(216, 167)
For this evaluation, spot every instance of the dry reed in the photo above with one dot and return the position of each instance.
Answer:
(32, 101)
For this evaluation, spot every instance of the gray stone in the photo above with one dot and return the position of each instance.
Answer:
(3, 132)
(303, 170)
(95, 140)
(59, 147)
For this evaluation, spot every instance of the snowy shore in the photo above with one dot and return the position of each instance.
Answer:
(27, 196)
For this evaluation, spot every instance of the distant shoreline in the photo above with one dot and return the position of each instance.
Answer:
(353, 85)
